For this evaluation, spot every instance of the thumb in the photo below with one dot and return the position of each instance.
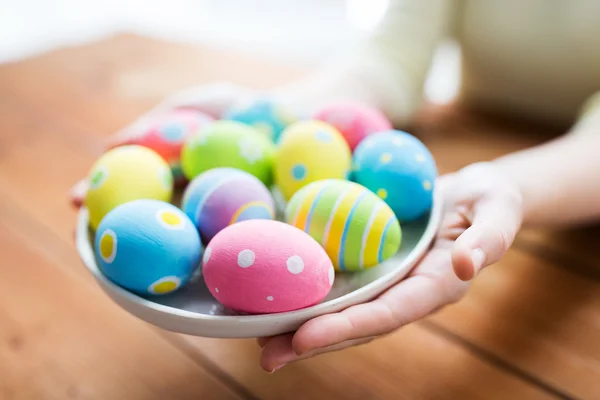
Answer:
(496, 221)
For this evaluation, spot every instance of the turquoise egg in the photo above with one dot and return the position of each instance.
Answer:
(149, 247)
(400, 169)
(266, 116)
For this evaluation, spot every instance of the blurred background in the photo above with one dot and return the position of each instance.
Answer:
(295, 32)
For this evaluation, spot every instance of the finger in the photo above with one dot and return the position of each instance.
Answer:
(496, 222)
(78, 192)
(278, 351)
(262, 341)
(410, 300)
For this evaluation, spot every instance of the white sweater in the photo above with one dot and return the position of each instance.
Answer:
(538, 57)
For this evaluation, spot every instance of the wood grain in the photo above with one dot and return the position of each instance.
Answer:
(101, 87)
(62, 339)
(537, 316)
(576, 248)
(413, 363)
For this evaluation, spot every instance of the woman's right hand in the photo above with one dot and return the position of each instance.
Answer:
(213, 99)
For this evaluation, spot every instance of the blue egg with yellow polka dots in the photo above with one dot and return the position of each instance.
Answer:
(264, 115)
(149, 247)
(400, 169)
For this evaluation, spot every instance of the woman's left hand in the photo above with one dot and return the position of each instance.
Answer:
(483, 213)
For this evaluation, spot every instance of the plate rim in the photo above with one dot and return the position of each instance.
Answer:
(370, 290)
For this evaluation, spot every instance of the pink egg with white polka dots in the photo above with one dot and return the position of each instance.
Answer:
(266, 266)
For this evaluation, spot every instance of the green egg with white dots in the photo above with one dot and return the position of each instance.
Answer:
(228, 144)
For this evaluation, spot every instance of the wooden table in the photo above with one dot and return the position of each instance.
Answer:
(528, 329)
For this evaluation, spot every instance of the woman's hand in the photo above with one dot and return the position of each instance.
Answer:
(213, 99)
(483, 213)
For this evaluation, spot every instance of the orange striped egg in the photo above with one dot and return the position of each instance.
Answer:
(356, 228)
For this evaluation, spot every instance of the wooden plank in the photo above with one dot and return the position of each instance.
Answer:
(60, 338)
(413, 363)
(37, 175)
(458, 137)
(16, 127)
(102, 86)
(537, 316)
(576, 248)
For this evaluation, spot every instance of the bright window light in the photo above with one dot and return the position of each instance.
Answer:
(365, 14)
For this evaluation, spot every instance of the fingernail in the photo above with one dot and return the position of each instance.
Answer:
(478, 257)
(277, 368)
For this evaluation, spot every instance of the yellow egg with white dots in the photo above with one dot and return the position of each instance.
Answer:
(124, 174)
(309, 151)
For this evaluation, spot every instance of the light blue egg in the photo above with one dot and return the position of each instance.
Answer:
(400, 169)
(266, 116)
(148, 247)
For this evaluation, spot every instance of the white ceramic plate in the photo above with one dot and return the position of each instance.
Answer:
(193, 310)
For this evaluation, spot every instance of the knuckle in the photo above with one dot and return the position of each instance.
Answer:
(394, 318)
(456, 295)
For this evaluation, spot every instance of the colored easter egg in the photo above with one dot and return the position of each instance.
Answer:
(400, 169)
(267, 117)
(148, 247)
(356, 228)
(223, 196)
(228, 144)
(354, 121)
(165, 133)
(265, 266)
(309, 151)
(124, 174)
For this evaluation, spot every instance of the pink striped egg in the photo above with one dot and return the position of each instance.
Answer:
(265, 266)
(223, 196)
